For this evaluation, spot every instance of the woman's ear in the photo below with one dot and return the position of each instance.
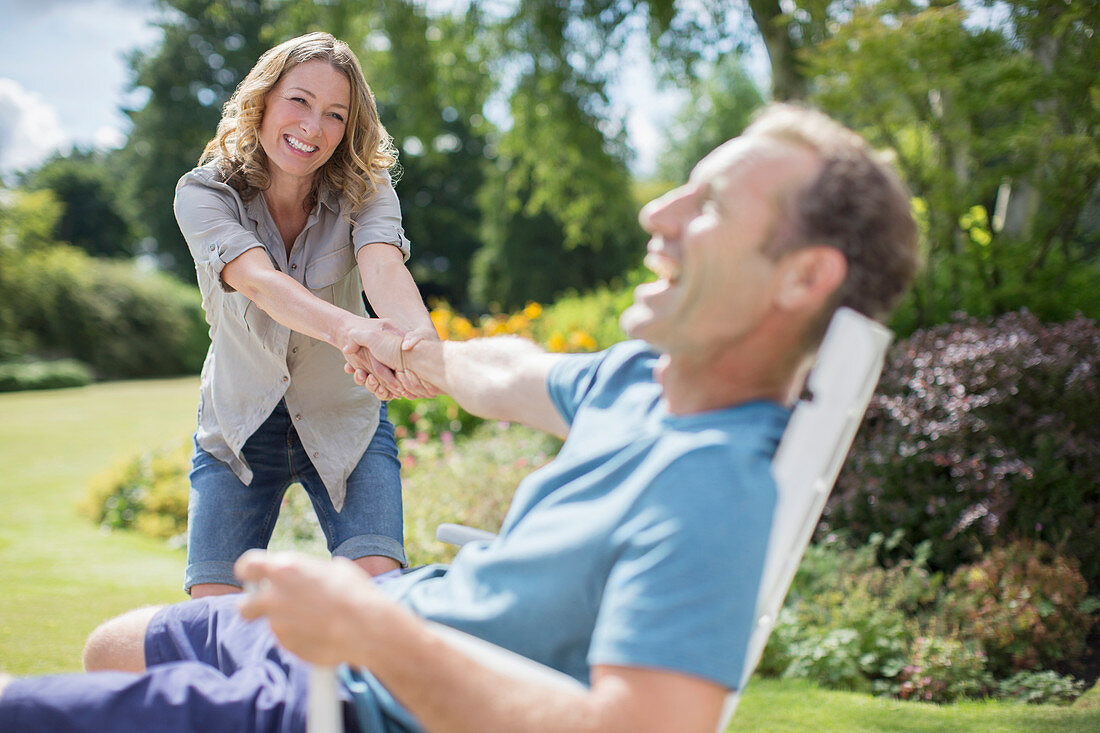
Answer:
(810, 275)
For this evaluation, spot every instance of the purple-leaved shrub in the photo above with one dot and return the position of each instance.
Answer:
(982, 432)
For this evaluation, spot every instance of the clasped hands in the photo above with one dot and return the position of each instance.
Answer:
(375, 356)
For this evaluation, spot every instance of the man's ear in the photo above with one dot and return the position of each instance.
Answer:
(810, 275)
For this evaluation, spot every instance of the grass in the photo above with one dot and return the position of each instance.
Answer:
(790, 706)
(59, 576)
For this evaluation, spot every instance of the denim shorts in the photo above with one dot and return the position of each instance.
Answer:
(225, 517)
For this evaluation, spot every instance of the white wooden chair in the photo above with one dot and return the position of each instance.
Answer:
(806, 465)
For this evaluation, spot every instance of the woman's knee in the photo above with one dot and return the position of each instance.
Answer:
(119, 644)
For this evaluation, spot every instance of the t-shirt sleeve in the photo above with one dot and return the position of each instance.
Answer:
(210, 220)
(379, 220)
(682, 593)
(571, 379)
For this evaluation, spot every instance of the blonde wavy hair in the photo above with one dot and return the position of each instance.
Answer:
(355, 169)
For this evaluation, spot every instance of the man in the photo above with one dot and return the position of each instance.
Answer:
(630, 562)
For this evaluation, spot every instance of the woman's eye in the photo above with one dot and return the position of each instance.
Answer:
(299, 100)
(337, 116)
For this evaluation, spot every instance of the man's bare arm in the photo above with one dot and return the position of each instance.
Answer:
(330, 613)
(500, 378)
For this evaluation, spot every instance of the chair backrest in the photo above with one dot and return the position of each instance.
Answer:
(809, 457)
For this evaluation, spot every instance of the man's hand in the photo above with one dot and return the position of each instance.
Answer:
(383, 381)
(388, 347)
(315, 607)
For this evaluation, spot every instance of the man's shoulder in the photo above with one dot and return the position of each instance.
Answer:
(624, 363)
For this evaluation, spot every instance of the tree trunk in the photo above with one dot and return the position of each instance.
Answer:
(788, 83)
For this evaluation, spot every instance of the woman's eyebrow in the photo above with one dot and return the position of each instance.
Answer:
(310, 94)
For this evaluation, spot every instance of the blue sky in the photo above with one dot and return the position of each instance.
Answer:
(63, 76)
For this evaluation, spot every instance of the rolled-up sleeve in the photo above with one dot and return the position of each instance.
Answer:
(379, 220)
(210, 220)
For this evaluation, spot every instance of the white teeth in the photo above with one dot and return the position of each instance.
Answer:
(663, 266)
(298, 144)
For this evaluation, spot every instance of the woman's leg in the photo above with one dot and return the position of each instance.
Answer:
(225, 516)
(369, 527)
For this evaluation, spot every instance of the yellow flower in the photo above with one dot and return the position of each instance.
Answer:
(533, 310)
(581, 340)
(556, 343)
(462, 328)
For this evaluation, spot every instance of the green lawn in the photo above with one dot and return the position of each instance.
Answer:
(59, 576)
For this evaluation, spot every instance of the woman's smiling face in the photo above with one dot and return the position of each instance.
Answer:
(305, 116)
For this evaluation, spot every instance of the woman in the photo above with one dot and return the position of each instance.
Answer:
(290, 217)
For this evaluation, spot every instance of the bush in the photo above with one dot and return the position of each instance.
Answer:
(109, 314)
(147, 493)
(982, 432)
(849, 623)
(1039, 688)
(1025, 604)
(43, 375)
(941, 669)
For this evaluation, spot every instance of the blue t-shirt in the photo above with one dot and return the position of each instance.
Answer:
(641, 544)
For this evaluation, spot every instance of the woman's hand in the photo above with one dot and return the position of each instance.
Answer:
(388, 355)
(379, 378)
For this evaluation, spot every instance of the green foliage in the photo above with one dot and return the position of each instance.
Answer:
(18, 376)
(595, 313)
(206, 50)
(721, 105)
(430, 420)
(851, 623)
(93, 218)
(1038, 688)
(431, 79)
(108, 314)
(28, 220)
(471, 483)
(847, 621)
(558, 213)
(940, 669)
(1027, 605)
(147, 493)
(1001, 117)
(982, 432)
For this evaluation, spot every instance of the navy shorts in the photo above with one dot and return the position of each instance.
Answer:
(208, 670)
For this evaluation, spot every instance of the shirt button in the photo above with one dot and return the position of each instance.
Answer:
(316, 454)
(294, 350)
(213, 247)
(286, 379)
(294, 266)
(298, 416)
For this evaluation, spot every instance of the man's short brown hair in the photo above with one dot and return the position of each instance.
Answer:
(856, 204)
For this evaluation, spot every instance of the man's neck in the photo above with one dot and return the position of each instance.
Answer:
(725, 378)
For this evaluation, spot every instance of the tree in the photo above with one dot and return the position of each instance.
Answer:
(721, 105)
(207, 49)
(966, 109)
(93, 217)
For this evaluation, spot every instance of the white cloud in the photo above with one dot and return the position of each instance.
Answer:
(108, 137)
(29, 128)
